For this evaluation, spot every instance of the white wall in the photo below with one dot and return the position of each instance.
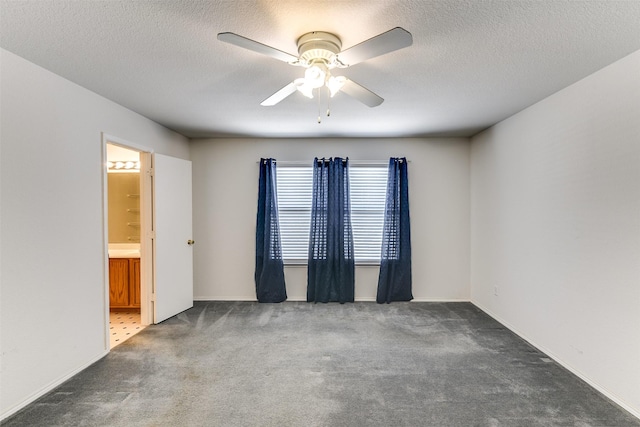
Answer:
(225, 195)
(556, 227)
(53, 295)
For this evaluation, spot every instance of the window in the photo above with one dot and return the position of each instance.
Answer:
(294, 210)
(368, 184)
(368, 195)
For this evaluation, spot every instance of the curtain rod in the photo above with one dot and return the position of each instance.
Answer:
(353, 162)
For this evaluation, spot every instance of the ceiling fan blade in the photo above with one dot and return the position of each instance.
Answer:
(393, 39)
(255, 46)
(361, 93)
(280, 95)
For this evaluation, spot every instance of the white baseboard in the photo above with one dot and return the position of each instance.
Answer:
(561, 362)
(304, 298)
(46, 389)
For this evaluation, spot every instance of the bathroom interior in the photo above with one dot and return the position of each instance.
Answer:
(123, 196)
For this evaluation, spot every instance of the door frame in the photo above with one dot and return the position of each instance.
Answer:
(146, 230)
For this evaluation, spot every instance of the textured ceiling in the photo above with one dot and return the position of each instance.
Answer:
(472, 63)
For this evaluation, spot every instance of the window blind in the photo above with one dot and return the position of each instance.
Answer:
(368, 185)
(368, 191)
(294, 209)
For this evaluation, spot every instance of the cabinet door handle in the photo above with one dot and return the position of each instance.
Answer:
(191, 242)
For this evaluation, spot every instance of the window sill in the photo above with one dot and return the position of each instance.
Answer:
(358, 263)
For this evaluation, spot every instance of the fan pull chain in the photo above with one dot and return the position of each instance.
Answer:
(319, 119)
(320, 105)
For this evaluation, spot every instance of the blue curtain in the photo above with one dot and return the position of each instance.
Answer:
(331, 266)
(269, 275)
(394, 281)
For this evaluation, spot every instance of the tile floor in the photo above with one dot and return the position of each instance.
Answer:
(122, 326)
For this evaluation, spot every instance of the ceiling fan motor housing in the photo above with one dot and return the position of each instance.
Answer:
(319, 46)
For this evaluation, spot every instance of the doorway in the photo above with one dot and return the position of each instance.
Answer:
(128, 204)
(166, 241)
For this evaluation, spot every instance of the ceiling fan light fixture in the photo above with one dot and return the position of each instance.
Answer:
(335, 84)
(304, 88)
(316, 75)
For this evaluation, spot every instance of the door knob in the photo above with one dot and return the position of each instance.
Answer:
(191, 242)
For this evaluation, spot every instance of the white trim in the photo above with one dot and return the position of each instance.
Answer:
(52, 385)
(304, 263)
(147, 239)
(124, 143)
(561, 362)
(218, 298)
(105, 246)
(146, 254)
(295, 299)
(304, 299)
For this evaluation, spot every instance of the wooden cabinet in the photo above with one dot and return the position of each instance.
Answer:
(134, 281)
(124, 283)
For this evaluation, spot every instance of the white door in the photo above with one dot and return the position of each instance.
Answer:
(173, 254)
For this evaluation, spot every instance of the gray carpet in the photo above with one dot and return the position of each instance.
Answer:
(299, 364)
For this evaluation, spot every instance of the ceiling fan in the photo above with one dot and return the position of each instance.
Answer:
(320, 52)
